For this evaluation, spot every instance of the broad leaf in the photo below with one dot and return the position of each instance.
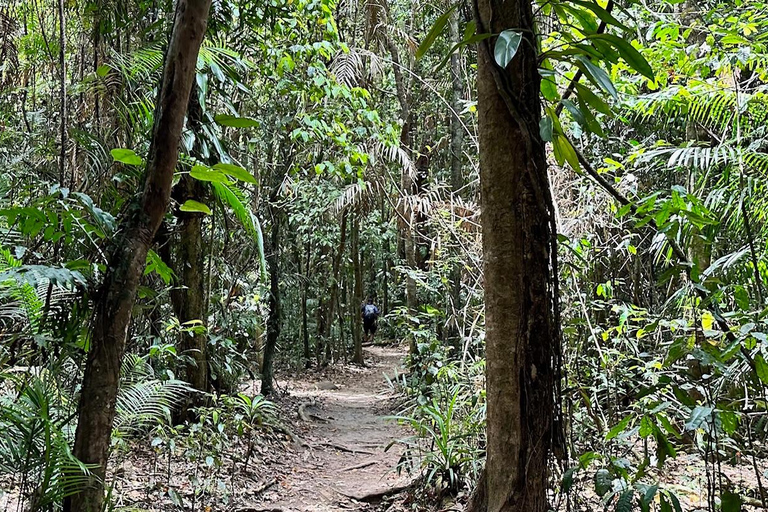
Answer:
(236, 122)
(730, 502)
(699, 415)
(126, 156)
(506, 47)
(628, 52)
(597, 75)
(434, 32)
(603, 482)
(194, 206)
(202, 173)
(236, 172)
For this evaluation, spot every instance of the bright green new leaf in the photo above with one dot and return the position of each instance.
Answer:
(564, 152)
(236, 122)
(506, 47)
(126, 156)
(233, 198)
(236, 172)
(202, 173)
(194, 206)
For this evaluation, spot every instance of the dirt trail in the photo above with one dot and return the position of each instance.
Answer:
(347, 434)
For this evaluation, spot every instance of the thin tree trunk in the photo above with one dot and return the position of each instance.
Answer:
(457, 176)
(273, 320)
(62, 95)
(357, 271)
(517, 218)
(118, 293)
(323, 352)
(304, 292)
(188, 299)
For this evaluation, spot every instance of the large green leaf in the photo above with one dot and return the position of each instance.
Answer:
(235, 121)
(601, 13)
(628, 52)
(231, 196)
(761, 367)
(597, 75)
(506, 47)
(434, 32)
(193, 206)
(730, 502)
(126, 156)
(603, 482)
(236, 172)
(203, 173)
(625, 501)
(699, 415)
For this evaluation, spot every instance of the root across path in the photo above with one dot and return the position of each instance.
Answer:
(342, 464)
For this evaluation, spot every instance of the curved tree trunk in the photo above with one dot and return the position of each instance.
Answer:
(117, 296)
(517, 236)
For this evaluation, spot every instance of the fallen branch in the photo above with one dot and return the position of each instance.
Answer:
(345, 449)
(360, 466)
(264, 486)
(308, 416)
(377, 495)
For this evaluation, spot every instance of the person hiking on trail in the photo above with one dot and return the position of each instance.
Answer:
(369, 313)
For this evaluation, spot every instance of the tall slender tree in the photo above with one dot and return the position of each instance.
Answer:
(118, 292)
(517, 240)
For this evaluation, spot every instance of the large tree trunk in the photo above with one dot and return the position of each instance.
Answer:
(117, 296)
(517, 238)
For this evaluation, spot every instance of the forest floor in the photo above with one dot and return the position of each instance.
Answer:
(335, 450)
(349, 458)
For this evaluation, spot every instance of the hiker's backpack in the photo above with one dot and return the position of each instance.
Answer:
(370, 311)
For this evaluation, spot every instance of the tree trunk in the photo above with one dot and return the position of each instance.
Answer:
(457, 179)
(188, 299)
(357, 354)
(517, 238)
(304, 292)
(273, 320)
(112, 314)
(323, 344)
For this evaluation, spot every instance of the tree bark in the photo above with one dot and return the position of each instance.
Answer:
(357, 335)
(517, 237)
(304, 293)
(117, 296)
(273, 320)
(457, 177)
(188, 299)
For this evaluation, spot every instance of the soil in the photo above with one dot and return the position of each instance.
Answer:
(349, 457)
(332, 448)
